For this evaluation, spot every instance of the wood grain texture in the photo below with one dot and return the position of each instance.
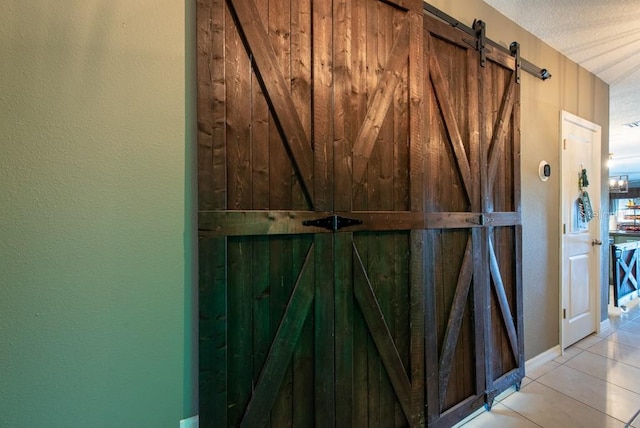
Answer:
(418, 296)
(342, 117)
(380, 103)
(503, 301)
(451, 123)
(452, 332)
(302, 361)
(241, 223)
(504, 344)
(281, 351)
(212, 295)
(324, 333)
(323, 132)
(239, 304)
(417, 114)
(211, 99)
(277, 89)
(238, 152)
(344, 333)
(497, 145)
(465, 123)
(354, 108)
(261, 129)
(380, 333)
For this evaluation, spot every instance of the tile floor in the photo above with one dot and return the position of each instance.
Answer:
(596, 383)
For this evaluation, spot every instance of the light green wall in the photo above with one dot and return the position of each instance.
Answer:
(92, 214)
(577, 91)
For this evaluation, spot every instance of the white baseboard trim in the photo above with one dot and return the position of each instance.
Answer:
(605, 325)
(543, 358)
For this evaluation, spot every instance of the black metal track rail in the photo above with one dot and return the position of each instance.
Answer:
(540, 73)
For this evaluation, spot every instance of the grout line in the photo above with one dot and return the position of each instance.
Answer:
(632, 316)
(515, 411)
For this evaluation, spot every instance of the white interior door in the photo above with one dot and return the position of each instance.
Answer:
(581, 245)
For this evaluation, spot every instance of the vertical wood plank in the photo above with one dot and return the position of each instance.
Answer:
(401, 170)
(212, 186)
(481, 307)
(212, 301)
(380, 268)
(303, 379)
(238, 89)
(280, 167)
(263, 332)
(301, 32)
(401, 306)
(325, 405)
(362, 388)
(417, 112)
(281, 286)
(239, 327)
(342, 105)
(374, 384)
(417, 239)
(344, 329)
(322, 15)
(432, 306)
(417, 312)
(477, 149)
(359, 91)
(519, 302)
(380, 167)
(260, 132)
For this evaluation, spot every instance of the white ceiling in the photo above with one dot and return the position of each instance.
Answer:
(603, 36)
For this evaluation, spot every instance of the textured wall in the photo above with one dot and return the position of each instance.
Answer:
(577, 91)
(92, 213)
(94, 197)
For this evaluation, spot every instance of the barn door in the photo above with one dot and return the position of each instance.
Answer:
(502, 238)
(310, 205)
(473, 334)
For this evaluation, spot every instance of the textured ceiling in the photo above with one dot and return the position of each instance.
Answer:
(604, 37)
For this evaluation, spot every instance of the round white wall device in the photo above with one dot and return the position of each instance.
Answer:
(544, 170)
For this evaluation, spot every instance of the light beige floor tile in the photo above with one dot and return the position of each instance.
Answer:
(618, 322)
(597, 393)
(609, 370)
(617, 317)
(587, 342)
(500, 416)
(626, 337)
(633, 326)
(569, 353)
(541, 370)
(617, 351)
(548, 408)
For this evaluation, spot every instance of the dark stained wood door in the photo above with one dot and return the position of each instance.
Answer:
(310, 113)
(474, 325)
(502, 240)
